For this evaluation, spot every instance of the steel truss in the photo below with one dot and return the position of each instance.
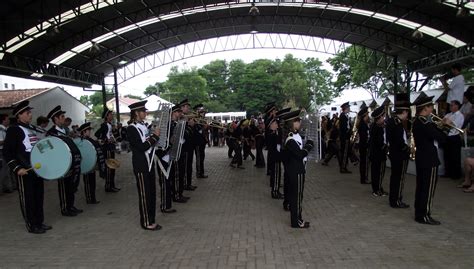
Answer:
(243, 42)
(436, 63)
(36, 69)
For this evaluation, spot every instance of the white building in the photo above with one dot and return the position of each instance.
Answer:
(43, 101)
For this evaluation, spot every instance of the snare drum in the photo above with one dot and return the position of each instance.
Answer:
(51, 158)
(88, 155)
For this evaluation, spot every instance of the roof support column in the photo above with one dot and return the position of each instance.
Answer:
(117, 109)
(104, 93)
(395, 74)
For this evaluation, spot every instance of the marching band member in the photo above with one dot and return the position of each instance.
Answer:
(177, 174)
(236, 140)
(344, 137)
(269, 111)
(187, 149)
(378, 151)
(106, 137)
(274, 147)
(296, 162)
(363, 132)
(427, 136)
(247, 140)
(142, 144)
(19, 141)
(201, 140)
(67, 186)
(89, 178)
(399, 151)
(258, 133)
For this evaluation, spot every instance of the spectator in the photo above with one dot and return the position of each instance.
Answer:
(456, 86)
(42, 123)
(468, 170)
(5, 179)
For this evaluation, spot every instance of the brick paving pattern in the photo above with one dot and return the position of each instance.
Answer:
(231, 222)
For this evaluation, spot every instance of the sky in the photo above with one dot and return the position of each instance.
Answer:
(137, 85)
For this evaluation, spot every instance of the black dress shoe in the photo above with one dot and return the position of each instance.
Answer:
(116, 189)
(202, 176)
(364, 182)
(46, 227)
(401, 205)
(433, 221)
(286, 207)
(69, 214)
(7, 191)
(324, 164)
(180, 200)
(93, 202)
(157, 227)
(76, 210)
(345, 171)
(168, 210)
(188, 189)
(302, 225)
(37, 230)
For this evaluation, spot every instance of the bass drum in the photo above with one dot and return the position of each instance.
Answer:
(51, 158)
(88, 155)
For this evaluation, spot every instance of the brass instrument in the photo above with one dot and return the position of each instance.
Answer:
(439, 122)
(355, 128)
(112, 163)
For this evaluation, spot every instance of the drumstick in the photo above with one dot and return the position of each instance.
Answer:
(36, 166)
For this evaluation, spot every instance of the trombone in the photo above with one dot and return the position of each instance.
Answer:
(439, 122)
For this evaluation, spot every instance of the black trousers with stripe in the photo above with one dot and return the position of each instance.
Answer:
(109, 173)
(31, 193)
(397, 180)
(179, 168)
(296, 188)
(166, 187)
(89, 186)
(286, 186)
(200, 156)
(66, 189)
(364, 164)
(188, 156)
(426, 181)
(377, 172)
(275, 177)
(146, 187)
(345, 151)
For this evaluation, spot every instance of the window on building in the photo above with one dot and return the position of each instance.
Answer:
(5, 85)
(13, 86)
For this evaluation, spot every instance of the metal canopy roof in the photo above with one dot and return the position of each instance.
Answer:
(90, 38)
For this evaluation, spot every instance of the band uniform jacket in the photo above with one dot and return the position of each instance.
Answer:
(426, 133)
(295, 161)
(189, 143)
(344, 127)
(363, 132)
(140, 145)
(397, 139)
(377, 146)
(274, 146)
(19, 139)
(199, 135)
(104, 133)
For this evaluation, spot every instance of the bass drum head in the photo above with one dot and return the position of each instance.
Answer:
(51, 158)
(88, 155)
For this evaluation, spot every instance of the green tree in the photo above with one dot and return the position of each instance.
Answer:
(133, 96)
(156, 89)
(319, 82)
(186, 84)
(356, 70)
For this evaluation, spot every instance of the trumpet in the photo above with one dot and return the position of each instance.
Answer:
(439, 122)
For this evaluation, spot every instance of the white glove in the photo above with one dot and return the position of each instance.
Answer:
(182, 140)
(278, 147)
(166, 158)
